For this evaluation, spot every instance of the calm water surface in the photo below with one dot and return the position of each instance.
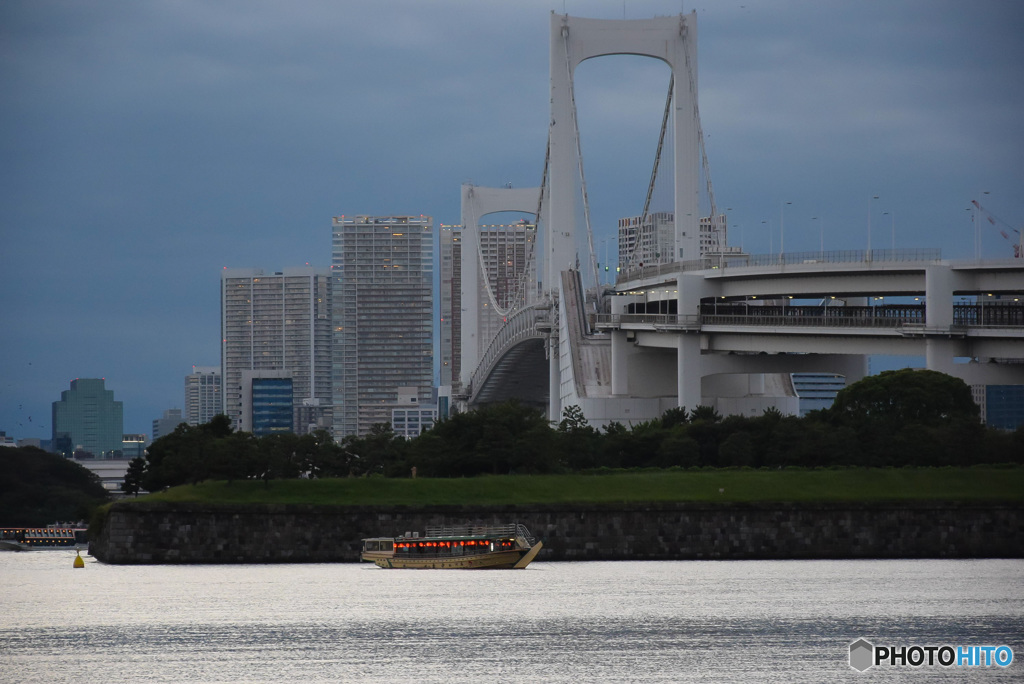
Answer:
(784, 621)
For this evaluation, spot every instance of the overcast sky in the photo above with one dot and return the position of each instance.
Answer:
(148, 144)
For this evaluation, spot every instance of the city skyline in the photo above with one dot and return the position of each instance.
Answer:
(151, 145)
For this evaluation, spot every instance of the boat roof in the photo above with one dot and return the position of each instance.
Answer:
(460, 532)
(441, 537)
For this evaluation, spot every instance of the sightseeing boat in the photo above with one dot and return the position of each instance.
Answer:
(49, 537)
(462, 547)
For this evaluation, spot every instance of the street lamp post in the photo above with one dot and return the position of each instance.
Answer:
(977, 232)
(892, 217)
(727, 223)
(604, 246)
(782, 231)
(821, 239)
(605, 243)
(974, 224)
(868, 255)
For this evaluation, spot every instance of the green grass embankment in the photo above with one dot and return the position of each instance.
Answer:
(979, 484)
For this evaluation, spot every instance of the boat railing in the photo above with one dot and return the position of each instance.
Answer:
(511, 530)
(470, 530)
(521, 531)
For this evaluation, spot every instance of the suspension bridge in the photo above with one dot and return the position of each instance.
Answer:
(690, 319)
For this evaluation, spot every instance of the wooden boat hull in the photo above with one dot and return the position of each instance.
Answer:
(461, 547)
(499, 560)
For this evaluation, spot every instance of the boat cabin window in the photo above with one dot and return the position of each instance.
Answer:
(435, 547)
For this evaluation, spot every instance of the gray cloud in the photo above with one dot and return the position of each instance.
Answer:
(150, 144)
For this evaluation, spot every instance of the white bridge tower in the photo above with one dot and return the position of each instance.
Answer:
(575, 40)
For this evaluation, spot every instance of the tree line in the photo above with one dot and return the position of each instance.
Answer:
(896, 418)
(38, 488)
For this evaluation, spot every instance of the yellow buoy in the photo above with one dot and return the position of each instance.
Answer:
(79, 563)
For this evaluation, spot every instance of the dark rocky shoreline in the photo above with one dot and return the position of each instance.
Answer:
(141, 533)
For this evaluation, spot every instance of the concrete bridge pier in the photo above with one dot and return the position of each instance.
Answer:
(690, 288)
(620, 374)
(688, 371)
(939, 284)
(939, 355)
(554, 380)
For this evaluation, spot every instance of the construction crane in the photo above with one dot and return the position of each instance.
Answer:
(1002, 226)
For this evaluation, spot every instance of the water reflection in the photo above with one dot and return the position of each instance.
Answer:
(644, 621)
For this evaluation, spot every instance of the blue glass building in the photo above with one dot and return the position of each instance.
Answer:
(272, 406)
(1004, 406)
(817, 391)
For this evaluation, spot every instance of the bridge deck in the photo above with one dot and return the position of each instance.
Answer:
(968, 320)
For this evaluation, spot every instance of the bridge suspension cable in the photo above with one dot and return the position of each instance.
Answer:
(661, 144)
(700, 130)
(518, 295)
(654, 171)
(501, 309)
(579, 160)
(523, 284)
(705, 165)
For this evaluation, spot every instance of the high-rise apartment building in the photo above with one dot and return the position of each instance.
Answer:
(202, 395)
(87, 419)
(450, 333)
(649, 240)
(278, 321)
(382, 270)
(646, 240)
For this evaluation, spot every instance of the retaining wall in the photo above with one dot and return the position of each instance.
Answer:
(190, 533)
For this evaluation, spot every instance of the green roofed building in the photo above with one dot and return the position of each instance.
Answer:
(87, 419)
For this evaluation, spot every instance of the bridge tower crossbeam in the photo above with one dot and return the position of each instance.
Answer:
(574, 40)
(478, 297)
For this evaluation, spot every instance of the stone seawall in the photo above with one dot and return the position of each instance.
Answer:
(192, 533)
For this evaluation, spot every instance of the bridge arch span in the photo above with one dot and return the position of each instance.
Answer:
(521, 373)
(515, 363)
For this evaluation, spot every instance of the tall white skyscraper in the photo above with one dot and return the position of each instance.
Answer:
(646, 241)
(382, 272)
(202, 394)
(278, 322)
(450, 351)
